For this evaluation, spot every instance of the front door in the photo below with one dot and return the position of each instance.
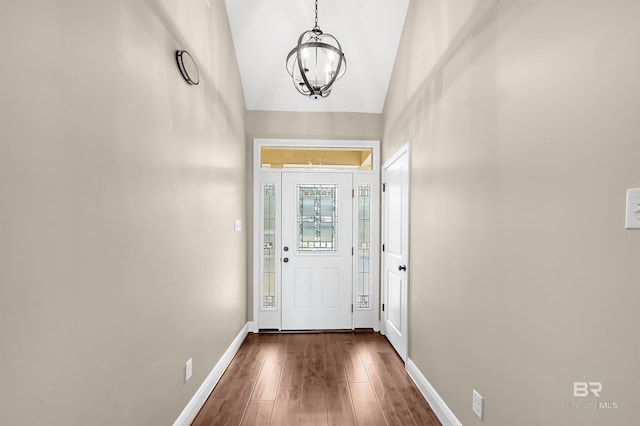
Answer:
(316, 257)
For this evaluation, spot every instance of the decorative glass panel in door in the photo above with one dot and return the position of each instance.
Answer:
(269, 246)
(364, 247)
(317, 218)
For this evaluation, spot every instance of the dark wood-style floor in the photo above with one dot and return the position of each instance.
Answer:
(316, 379)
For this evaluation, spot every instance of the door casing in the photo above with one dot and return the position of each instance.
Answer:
(272, 318)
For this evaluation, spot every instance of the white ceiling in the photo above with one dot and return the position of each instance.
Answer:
(264, 31)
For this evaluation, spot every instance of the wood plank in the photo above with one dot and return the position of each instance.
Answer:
(268, 381)
(313, 372)
(268, 338)
(338, 339)
(394, 364)
(275, 349)
(382, 345)
(413, 399)
(237, 362)
(388, 397)
(339, 406)
(296, 343)
(334, 368)
(313, 406)
(208, 412)
(222, 388)
(353, 364)
(258, 413)
(292, 370)
(251, 338)
(233, 406)
(314, 347)
(368, 353)
(418, 406)
(365, 405)
(333, 359)
(286, 411)
(250, 368)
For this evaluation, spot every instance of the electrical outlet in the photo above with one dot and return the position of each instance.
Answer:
(478, 404)
(188, 370)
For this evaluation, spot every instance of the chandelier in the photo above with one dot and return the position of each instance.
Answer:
(316, 62)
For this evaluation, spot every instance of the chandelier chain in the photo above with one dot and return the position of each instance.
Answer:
(316, 26)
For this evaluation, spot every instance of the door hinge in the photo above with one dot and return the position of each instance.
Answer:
(352, 307)
(383, 247)
(353, 193)
(384, 187)
(383, 307)
(351, 251)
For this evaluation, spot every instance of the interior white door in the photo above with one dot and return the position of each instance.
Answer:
(395, 177)
(316, 251)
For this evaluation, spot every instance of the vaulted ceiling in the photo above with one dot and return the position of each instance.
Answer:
(264, 31)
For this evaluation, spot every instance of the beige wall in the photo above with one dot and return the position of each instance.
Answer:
(118, 262)
(524, 121)
(300, 125)
(313, 125)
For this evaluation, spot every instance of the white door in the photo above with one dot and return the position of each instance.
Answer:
(316, 256)
(395, 199)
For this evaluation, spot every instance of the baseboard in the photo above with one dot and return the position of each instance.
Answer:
(197, 401)
(442, 411)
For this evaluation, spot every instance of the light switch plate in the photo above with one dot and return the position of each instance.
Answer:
(237, 225)
(188, 369)
(632, 220)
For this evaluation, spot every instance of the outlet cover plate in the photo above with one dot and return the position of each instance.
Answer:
(632, 220)
(478, 404)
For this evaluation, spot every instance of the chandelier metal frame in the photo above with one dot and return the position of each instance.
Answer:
(312, 41)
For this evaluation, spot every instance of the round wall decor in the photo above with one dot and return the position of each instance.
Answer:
(187, 67)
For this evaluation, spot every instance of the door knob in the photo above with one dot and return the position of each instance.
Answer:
(285, 248)
(285, 260)
(402, 268)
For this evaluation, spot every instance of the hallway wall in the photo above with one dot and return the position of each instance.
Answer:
(523, 118)
(118, 260)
